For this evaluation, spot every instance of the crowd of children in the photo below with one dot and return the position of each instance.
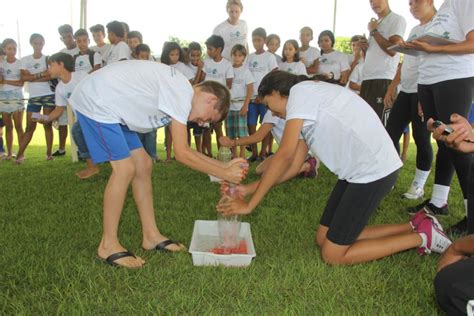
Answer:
(399, 94)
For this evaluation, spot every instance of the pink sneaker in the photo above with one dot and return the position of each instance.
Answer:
(313, 168)
(419, 216)
(436, 239)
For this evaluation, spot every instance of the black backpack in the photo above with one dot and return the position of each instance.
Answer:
(53, 82)
(91, 57)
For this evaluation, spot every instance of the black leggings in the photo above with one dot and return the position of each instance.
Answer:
(439, 101)
(404, 111)
(454, 286)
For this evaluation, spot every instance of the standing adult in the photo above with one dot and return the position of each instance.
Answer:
(405, 109)
(233, 30)
(380, 63)
(445, 86)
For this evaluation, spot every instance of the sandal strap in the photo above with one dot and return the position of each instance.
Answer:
(118, 255)
(162, 245)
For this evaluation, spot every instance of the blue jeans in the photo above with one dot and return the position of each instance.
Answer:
(149, 143)
(78, 136)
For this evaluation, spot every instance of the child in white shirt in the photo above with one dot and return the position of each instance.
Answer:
(291, 59)
(241, 92)
(119, 50)
(308, 54)
(98, 34)
(87, 60)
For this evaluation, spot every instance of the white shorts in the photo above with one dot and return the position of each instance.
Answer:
(11, 101)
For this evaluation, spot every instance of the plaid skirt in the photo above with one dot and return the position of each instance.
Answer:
(236, 125)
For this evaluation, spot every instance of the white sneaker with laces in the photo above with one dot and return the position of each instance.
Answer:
(414, 193)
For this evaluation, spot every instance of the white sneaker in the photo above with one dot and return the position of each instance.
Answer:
(414, 193)
(437, 241)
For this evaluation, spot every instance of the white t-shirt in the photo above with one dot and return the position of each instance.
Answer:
(260, 65)
(35, 66)
(378, 64)
(193, 69)
(335, 62)
(242, 78)
(278, 59)
(64, 90)
(181, 67)
(278, 125)
(343, 131)
(118, 52)
(83, 63)
(232, 35)
(137, 93)
(453, 20)
(296, 68)
(73, 52)
(356, 76)
(10, 72)
(409, 72)
(218, 71)
(103, 51)
(310, 55)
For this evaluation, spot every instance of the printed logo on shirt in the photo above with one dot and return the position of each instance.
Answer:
(81, 63)
(9, 71)
(324, 60)
(69, 95)
(254, 64)
(214, 71)
(235, 35)
(36, 66)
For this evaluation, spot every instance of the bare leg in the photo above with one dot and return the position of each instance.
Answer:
(406, 143)
(25, 140)
(62, 137)
(90, 171)
(7, 120)
(169, 144)
(48, 132)
(265, 143)
(114, 197)
(253, 130)
(218, 130)
(198, 141)
(242, 152)
(18, 120)
(270, 143)
(143, 195)
(385, 240)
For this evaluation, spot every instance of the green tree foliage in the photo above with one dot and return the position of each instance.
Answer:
(343, 44)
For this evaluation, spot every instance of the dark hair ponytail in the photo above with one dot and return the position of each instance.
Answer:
(280, 81)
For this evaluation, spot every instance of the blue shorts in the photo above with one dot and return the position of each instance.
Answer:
(254, 111)
(108, 142)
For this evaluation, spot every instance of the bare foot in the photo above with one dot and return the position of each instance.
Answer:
(87, 173)
(151, 243)
(127, 262)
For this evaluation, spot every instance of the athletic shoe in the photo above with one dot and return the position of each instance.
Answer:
(436, 239)
(419, 217)
(459, 229)
(313, 168)
(414, 193)
(430, 208)
(59, 153)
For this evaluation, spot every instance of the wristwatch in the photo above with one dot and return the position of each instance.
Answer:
(372, 33)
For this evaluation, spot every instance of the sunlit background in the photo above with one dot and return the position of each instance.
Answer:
(187, 20)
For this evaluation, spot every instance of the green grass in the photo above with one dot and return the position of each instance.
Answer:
(50, 225)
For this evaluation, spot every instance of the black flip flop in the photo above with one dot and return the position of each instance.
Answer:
(110, 260)
(162, 245)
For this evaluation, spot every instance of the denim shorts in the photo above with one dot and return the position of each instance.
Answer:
(108, 142)
(36, 103)
(11, 101)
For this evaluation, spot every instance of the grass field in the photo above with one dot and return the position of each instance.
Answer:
(50, 224)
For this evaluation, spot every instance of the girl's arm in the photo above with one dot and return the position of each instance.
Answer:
(344, 77)
(199, 73)
(313, 69)
(39, 77)
(256, 137)
(16, 83)
(462, 48)
(281, 161)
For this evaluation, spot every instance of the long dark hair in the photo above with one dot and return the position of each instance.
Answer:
(294, 43)
(168, 47)
(280, 81)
